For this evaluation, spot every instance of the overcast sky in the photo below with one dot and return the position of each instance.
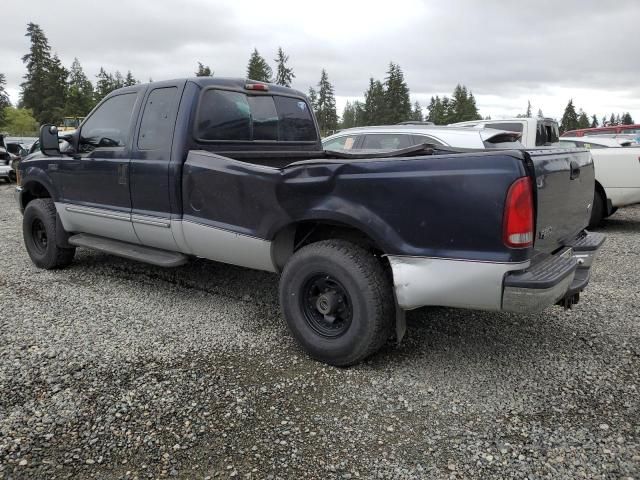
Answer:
(506, 52)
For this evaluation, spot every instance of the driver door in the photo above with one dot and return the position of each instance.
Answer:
(95, 182)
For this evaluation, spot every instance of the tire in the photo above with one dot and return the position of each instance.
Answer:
(598, 210)
(335, 279)
(12, 177)
(39, 232)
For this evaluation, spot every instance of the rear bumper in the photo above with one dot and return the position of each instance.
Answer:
(558, 279)
(5, 170)
(514, 287)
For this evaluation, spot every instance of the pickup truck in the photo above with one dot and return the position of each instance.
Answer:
(233, 170)
(617, 165)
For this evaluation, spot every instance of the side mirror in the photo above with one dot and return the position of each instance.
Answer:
(49, 140)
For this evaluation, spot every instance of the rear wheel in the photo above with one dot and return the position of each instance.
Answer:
(39, 232)
(337, 301)
(598, 210)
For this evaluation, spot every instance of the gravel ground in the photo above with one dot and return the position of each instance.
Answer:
(114, 369)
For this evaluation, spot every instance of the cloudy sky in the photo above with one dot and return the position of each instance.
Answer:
(506, 52)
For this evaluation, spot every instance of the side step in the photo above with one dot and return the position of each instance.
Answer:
(154, 256)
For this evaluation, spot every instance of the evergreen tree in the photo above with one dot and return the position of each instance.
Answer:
(618, 119)
(313, 99)
(118, 80)
(258, 68)
(540, 114)
(129, 80)
(352, 115)
(528, 113)
(604, 121)
(4, 98)
(326, 105)
(396, 97)
(416, 114)
(612, 120)
(104, 85)
(461, 107)
(80, 99)
(569, 118)
(55, 93)
(583, 120)
(594, 122)
(284, 74)
(627, 119)
(374, 103)
(348, 116)
(439, 110)
(203, 71)
(38, 63)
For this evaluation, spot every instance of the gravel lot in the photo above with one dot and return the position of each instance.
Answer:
(114, 369)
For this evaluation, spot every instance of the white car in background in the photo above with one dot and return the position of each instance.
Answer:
(536, 132)
(617, 168)
(394, 137)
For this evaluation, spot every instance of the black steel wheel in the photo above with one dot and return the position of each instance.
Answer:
(39, 226)
(337, 301)
(326, 305)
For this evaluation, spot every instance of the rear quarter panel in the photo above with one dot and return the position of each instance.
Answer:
(447, 206)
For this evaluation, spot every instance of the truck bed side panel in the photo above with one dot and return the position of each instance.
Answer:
(447, 206)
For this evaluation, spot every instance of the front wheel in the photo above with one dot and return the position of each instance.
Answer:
(39, 232)
(337, 301)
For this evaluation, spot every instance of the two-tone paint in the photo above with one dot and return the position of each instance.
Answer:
(437, 217)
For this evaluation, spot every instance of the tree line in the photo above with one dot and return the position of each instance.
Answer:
(572, 120)
(50, 92)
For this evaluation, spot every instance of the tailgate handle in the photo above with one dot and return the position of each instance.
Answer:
(575, 170)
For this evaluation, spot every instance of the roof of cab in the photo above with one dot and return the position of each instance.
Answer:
(225, 82)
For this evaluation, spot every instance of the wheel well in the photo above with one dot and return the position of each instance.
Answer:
(296, 236)
(31, 191)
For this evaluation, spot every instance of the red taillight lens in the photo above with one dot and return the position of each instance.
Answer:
(518, 215)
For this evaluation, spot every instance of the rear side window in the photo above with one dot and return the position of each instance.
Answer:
(508, 126)
(418, 139)
(109, 124)
(158, 119)
(345, 142)
(386, 141)
(235, 116)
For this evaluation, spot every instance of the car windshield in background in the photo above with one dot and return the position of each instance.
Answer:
(233, 116)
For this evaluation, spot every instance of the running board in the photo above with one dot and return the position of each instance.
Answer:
(154, 256)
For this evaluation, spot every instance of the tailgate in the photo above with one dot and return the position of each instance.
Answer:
(564, 190)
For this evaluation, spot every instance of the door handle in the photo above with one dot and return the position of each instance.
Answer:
(575, 170)
(123, 174)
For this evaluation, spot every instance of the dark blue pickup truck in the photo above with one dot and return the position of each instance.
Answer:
(234, 171)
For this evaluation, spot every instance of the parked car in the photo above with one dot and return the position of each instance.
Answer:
(392, 137)
(7, 172)
(234, 171)
(617, 167)
(536, 132)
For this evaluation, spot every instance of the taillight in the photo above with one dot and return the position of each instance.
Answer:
(518, 215)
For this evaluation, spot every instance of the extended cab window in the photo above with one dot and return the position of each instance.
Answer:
(109, 124)
(158, 119)
(235, 116)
